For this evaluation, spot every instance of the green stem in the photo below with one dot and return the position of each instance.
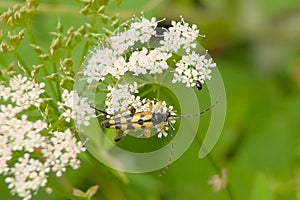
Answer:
(145, 93)
(22, 62)
(34, 41)
(86, 45)
(103, 90)
(50, 85)
(218, 169)
(31, 36)
(158, 92)
(84, 52)
(58, 93)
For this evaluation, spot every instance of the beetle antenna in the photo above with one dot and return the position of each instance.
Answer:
(171, 153)
(200, 113)
(98, 110)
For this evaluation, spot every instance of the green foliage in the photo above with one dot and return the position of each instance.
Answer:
(256, 47)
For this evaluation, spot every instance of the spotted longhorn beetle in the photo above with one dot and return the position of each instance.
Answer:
(145, 120)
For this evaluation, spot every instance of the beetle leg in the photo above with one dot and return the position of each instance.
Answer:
(150, 105)
(116, 135)
(158, 106)
(120, 136)
(162, 126)
(147, 133)
(131, 109)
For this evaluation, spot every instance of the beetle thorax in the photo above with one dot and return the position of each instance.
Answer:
(158, 118)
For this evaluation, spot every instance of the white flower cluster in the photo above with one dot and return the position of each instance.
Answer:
(140, 30)
(23, 92)
(76, 108)
(27, 152)
(179, 38)
(29, 175)
(61, 151)
(104, 61)
(148, 61)
(192, 68)
(110, 60)
(18, 134)
(120, 98)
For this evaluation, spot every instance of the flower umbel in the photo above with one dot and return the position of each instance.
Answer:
(192, 68)
(120, 98)
(120, 54)
(23, 91)
(28, 175)
(29, 151)
(76, 108)
(61, 151)
(180, 35)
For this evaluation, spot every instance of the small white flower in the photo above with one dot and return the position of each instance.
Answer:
(180, 35)
(108, 59)
(25, 92)
(120, 98)
(193, 67)
(148, 61)
(111, 58)
(48, 190)
(27, 172)
(76, 108)
(145, 28)
(62, 151)
(5, 92)
(28, 175)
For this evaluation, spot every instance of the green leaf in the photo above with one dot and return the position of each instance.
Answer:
(262, 189)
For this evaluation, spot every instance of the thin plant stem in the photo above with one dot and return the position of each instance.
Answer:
(217, 168)
(22, 62)
(145, 93)
(34, 41)
(58, 93)
(31, 36)
(86, 45)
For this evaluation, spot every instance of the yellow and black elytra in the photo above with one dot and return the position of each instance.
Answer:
(143, 120)
(137, 121)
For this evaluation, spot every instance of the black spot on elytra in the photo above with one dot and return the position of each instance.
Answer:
(118, 126)
(105, 124)
(140, 122)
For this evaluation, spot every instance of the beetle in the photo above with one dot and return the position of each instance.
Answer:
(144, 120)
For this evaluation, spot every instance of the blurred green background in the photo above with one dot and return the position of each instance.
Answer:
(256, 45)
